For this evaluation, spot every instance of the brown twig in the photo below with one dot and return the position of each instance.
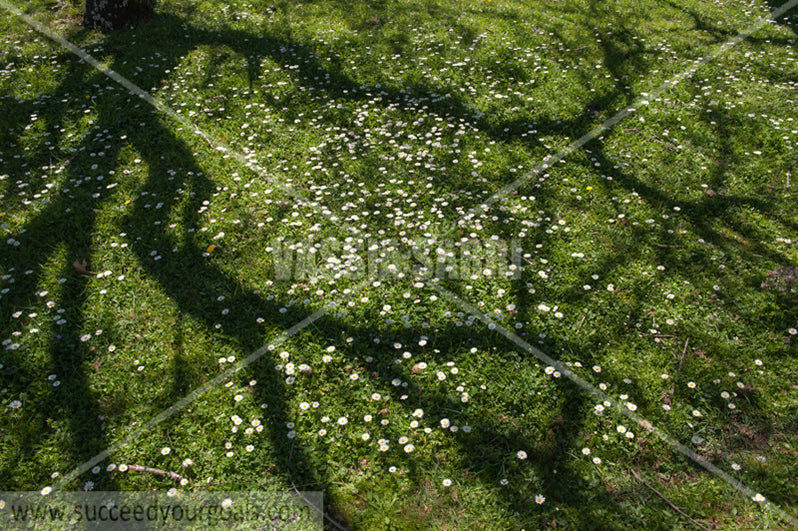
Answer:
(138, 468)
(681, 360)
(658, 493)
(580, 324)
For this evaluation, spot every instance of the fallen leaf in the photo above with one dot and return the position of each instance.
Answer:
(80, 267)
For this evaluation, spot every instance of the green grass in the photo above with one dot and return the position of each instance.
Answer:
(659, 252)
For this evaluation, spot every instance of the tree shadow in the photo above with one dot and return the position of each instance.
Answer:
(186, 271)
(719, 34)
(788, 19)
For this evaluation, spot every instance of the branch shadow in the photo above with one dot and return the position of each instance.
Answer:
(187, 272)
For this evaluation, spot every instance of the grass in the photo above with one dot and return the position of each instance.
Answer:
(657, 260)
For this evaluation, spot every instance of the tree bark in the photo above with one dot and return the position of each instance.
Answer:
(114, 14)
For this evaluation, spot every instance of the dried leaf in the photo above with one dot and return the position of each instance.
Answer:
(647, 425)
(80, 267)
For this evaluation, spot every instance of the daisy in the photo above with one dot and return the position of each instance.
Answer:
(521, 454)
(539, 499)
(447, 482)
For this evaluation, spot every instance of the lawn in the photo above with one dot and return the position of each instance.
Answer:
(456, 264)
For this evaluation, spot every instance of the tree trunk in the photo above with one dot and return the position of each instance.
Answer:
(113, 14)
